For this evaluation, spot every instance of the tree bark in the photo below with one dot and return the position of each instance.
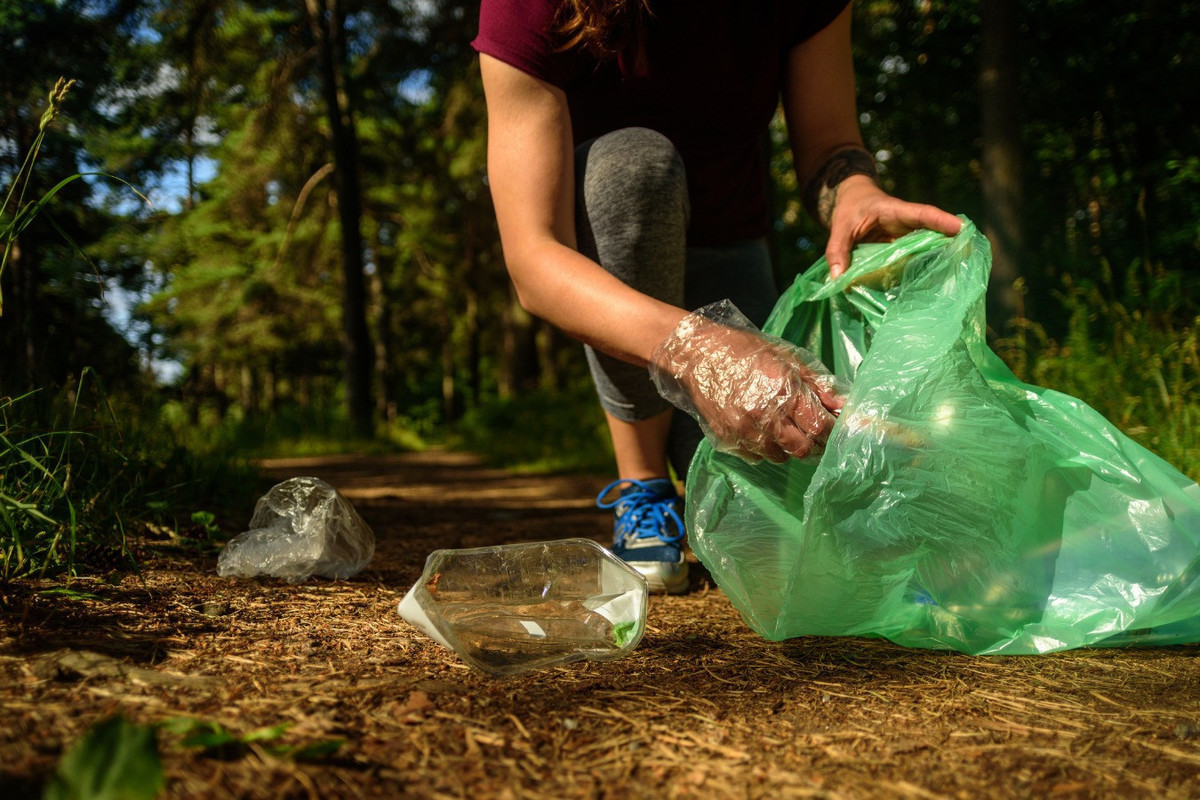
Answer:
(20, 293)
(474, 349)
(327, 19)
(519, 373)
(385, 370)
(247, 391)
(270, 389)
(1002, 163)
(548, 340)
(449, 393)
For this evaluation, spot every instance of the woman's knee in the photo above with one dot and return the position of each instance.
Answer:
(636, 165)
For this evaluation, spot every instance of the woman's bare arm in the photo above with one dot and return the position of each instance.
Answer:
(531, 170)
(822, 120)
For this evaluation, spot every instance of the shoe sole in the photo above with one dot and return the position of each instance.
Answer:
(660, 580)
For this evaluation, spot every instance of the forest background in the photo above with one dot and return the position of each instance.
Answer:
(318, 267)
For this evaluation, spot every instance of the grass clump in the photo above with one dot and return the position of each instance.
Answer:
(1130, 350)
(288, 431)
(540, 432)
(75, 487)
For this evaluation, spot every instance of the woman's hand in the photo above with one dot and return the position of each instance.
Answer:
(755, 396)
(862, 212)
(822, 120)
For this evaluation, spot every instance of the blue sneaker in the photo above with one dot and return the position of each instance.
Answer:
(648, 531)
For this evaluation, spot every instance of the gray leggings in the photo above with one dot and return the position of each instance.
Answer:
(631, 215)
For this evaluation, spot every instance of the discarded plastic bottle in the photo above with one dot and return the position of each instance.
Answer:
(514, 608)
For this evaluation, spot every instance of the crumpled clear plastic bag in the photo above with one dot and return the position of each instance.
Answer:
(954, 506)
(300, 528)
(754, 395)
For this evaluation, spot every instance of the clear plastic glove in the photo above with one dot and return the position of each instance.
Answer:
(754, 395)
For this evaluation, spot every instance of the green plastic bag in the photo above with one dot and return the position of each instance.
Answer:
(954, 506)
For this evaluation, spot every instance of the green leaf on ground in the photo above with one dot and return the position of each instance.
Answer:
(115, 760)
(215, 740)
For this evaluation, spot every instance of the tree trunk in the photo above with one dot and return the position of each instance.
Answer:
(385, 369)
(247, 392)
(14, 339)
(548, 339)
(474, 349)
(270, 389)
(20, 297)
(220, 394)
(520, 370)
(304, 390)
(1002, 184)
(449, 395)
(189, 149)
(327, 19)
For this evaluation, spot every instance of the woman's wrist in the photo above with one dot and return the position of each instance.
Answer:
(821, 191)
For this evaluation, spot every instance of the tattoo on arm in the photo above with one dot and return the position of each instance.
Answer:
(826, 200)
(820, 194)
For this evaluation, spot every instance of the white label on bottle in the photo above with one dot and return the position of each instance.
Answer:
(621, 608)
(533, 628)
(412, 612)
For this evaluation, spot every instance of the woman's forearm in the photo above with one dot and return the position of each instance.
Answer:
(573, 293)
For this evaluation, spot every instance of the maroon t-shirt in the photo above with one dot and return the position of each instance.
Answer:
(711, 85)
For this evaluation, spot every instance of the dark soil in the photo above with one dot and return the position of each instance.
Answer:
(703, 708)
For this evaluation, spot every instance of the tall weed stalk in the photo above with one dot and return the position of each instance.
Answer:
(17, 213)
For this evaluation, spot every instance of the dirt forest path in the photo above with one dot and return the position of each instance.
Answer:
(370, 707)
